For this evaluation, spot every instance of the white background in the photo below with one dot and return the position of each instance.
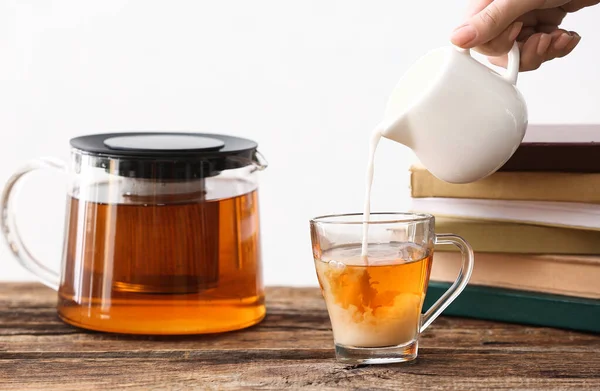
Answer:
(306, 79)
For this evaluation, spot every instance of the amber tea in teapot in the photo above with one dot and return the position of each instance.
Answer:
(162, 235)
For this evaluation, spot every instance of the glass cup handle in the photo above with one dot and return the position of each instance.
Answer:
(461, 281)
(8, 224)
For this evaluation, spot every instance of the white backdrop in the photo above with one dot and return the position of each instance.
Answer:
(307, 79)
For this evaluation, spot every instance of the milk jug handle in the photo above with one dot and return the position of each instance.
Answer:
(512, 68)
(461, 281)
(8, 224)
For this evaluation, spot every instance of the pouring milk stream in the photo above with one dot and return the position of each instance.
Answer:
(462, 119)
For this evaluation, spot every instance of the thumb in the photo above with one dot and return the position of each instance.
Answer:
(491, 21)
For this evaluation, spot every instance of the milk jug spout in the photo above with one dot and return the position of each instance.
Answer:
(398, 129)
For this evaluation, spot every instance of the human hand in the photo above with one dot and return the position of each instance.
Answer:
(494, 25)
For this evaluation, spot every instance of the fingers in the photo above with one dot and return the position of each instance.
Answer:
(553, 16)
(540, 21)
(563, 43)
(502, 43)
(576, 5)
(546, 28)
(532, 53)
(476, 6)
(542, 47)
(571, 46)
(525, 33)
(491, 21)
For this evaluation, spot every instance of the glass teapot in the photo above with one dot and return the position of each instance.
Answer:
(162, 233)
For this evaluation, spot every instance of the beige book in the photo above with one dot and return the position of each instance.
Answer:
(508, 237)
(530, 186)
(557, 274)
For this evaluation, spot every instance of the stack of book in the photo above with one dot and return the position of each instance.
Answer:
(535, 228)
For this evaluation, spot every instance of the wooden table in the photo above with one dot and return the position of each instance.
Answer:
(291, 348)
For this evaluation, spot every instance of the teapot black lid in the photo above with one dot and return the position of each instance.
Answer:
(163, 144)
(167, 155)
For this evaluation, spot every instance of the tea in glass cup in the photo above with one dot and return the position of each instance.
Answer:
(375, 300)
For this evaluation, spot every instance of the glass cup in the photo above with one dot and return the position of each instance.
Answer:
(375, 301)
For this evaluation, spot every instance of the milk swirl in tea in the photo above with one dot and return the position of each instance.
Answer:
(378, 304)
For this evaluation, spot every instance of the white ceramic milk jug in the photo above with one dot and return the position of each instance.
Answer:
(462, 119)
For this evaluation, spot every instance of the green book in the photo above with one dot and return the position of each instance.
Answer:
(513, 306)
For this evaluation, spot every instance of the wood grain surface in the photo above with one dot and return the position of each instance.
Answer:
(292, 348)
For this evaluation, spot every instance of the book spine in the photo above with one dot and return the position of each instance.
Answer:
(558, 187)
(555, 157)
(520, 307)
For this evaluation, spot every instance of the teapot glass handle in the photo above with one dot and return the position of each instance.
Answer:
(259, 161)
(512, 68)
(46, 275)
